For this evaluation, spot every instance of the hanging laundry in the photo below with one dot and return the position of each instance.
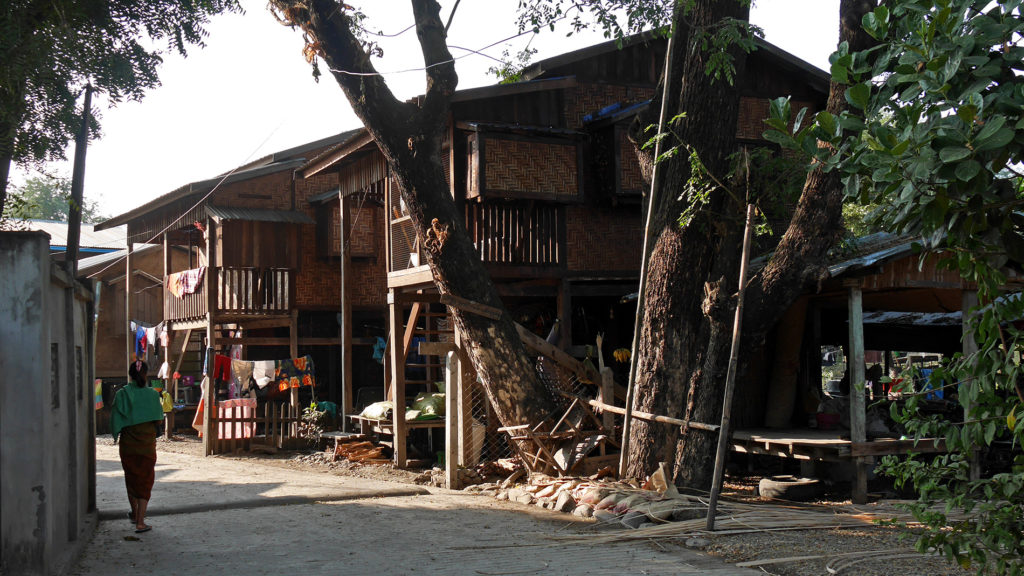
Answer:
(197, 422)
(98, 394)
(165, 370)
(221, 368)
(263, 372)
(186, 282)
(140, 343)
(151, 337)
(241, 375)
(378, 349)
(295, 372)
(165, 336)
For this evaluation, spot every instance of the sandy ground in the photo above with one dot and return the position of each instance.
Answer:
(235, 515)
(324, 510)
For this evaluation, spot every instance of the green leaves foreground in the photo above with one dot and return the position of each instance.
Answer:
(935, 138)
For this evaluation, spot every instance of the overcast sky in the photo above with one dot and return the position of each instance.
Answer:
(249, 92)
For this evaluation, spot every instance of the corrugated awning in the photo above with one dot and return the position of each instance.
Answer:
(258, 214)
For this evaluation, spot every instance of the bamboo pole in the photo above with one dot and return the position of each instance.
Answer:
(627, 420)
(730, 378)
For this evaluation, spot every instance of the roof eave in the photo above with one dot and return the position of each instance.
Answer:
(198, 187)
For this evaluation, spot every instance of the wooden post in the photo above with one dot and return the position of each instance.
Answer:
(210, 283)
(129, 305)
(293, 350)
(969, 301)
(451, 424)
(465, 401)
(397, 377)
(608, 397)
(346, 312)
(564, 314)
(730, 377)
(857, 384)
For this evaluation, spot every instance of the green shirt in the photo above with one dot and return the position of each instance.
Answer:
(134, 405)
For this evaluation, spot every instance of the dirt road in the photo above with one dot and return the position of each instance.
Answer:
(214, 516)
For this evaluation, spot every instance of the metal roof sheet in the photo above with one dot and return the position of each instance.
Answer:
(258, 214)
(870, 250)
(95, 265)
(109, 239)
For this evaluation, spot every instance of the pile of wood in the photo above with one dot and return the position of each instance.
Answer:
(361, 451)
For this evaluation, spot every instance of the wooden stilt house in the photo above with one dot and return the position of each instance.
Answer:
(551, 191)
(248, 244)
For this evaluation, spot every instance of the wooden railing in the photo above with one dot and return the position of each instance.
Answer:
(254, 290)
(187, 307)
(239, 291)
(522, 233)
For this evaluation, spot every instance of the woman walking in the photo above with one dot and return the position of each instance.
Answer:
(134, 418)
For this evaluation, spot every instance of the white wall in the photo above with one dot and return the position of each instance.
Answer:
(47, 451)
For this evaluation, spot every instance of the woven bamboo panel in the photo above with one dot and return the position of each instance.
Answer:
(540, 168)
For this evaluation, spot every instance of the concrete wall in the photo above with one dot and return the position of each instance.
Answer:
(47, 454)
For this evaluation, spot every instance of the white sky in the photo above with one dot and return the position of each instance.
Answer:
(250, 92)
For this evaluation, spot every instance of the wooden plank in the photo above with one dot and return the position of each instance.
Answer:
(184, 348)
(882, 447)
(465, 305)
(653, 417)
(541, 346)
(607, 397)
(410, 330)
(280, 341)
(435, 348)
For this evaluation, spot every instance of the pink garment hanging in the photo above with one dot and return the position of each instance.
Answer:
(238, 408)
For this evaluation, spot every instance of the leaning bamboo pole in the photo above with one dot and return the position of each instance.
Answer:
(730, 378)
(627, 420)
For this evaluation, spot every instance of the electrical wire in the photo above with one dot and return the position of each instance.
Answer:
(200, 201)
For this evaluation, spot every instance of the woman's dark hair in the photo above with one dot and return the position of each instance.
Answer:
(137, 372)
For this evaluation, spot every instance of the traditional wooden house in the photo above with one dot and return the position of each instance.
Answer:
(551, 190)
(243, 247)
(881, 295)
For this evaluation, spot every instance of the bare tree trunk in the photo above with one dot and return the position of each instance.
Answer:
(410, 137)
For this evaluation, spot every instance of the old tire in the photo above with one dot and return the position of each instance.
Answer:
(789, 488)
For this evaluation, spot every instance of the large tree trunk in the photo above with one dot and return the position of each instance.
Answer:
(410, 136)
(684, 346)
(684, 336)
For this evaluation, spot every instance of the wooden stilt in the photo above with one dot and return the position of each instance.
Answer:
(858, 432)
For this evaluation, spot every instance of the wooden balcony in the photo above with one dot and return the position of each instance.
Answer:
(237, 292)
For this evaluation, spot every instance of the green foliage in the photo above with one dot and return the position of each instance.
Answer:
(606, 15)
(311, 426)
(936, 140)
(50, 50)
(47, 198)
(511, 71)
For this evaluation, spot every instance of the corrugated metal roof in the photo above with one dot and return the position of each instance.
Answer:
(258, 214)
(868, 251)
(109, 239)
(94, 265)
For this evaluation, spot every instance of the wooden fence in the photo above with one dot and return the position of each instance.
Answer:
(271, 426)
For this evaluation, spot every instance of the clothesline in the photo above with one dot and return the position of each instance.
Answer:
(286, 373)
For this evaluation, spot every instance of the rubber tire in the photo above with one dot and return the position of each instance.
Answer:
(790, 488)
